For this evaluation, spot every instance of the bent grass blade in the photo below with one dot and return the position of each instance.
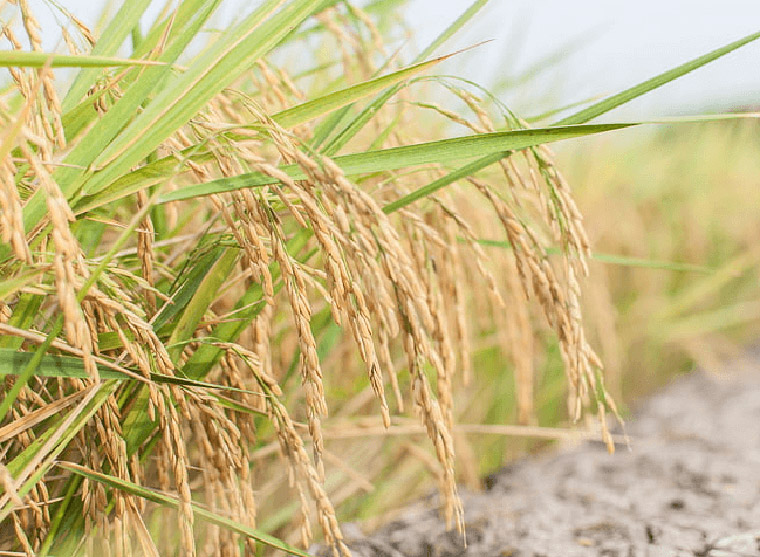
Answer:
(394, 158)
(173, 503)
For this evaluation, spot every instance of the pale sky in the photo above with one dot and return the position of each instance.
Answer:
(626, 42)
(617, 44)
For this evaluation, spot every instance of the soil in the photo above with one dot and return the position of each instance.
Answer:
(689, 486)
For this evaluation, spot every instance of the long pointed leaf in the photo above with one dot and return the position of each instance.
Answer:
(173, 503)
(322, 105)
(622, 260)
(20, 59)
(13, 362)
(450, 178)
(206, 293)
(623, 97)
(107, 45)
(211, 72)
(366, 114)
(79, 415)
(441, 151)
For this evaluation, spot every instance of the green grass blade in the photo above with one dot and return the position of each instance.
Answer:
(442, 151)
(658, 81)
(144, 177)
(173, 503)
(158, 171)
(108, 44)
(20, 59)
(8, 287)
(80, 415)
(13, 362)
(452, 29)
(189, 287)
(322, 105)
(642, 263)
(463, 172)
(180, 99)
(614, 259)
(105, 129)
(345, 135)
(481, 163)
(187, 15)
(207, 292)
(558, 110)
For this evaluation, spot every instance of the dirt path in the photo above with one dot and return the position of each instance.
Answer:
(690, 487)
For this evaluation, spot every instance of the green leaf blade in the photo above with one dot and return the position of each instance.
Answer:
(628, 95)
(435, 152)
(312, 109)
(20, 59)
(173, 503)
(108, 44)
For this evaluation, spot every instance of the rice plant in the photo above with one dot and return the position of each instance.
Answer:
(220, 251)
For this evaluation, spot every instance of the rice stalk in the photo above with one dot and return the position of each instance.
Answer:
(307, 289)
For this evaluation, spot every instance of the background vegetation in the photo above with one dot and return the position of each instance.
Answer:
(245, 283)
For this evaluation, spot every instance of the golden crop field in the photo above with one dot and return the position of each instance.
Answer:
(257, 281)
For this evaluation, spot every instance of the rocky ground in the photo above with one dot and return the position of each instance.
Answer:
(690, 486)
